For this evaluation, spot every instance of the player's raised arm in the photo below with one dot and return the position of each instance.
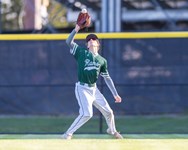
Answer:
(83, 21)
(70, 39)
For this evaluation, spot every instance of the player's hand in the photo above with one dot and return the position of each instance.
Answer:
(77, 28)
(117, 99)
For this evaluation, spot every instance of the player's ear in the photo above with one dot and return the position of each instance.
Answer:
(99, 45)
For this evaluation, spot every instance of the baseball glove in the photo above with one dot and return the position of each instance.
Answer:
(84, 19)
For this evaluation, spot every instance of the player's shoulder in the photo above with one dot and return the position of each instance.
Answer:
(80, 48)
(102, 58)
(77, 49)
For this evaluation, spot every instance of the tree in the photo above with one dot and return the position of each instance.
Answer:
(10, 11)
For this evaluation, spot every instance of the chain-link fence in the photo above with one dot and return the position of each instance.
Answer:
(38, 76)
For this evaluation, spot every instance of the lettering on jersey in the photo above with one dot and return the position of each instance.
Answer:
(90, 65)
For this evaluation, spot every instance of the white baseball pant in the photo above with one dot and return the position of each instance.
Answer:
(87, 97)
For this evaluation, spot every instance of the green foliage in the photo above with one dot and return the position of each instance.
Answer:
(57, 15)
(10, 15)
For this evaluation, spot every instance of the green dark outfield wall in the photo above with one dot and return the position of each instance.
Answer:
(150, 70)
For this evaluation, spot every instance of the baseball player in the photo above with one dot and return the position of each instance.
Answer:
(90, 66)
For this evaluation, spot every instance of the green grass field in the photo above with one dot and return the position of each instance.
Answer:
(94, 142)
(165, 132)
(125, 124)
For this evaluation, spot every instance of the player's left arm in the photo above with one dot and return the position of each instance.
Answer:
(111, 86)
(109, 82)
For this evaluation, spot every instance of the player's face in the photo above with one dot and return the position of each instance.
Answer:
(93, 43)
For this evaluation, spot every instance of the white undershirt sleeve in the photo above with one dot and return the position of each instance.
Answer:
(110, 85)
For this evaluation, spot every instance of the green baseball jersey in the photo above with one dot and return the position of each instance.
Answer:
(89, 65)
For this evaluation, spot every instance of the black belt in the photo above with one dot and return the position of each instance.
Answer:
(86, 84)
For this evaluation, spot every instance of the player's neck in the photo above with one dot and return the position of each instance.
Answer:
(94, 50)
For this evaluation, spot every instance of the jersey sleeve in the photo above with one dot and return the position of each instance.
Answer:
(104, 70)
(75, 50)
